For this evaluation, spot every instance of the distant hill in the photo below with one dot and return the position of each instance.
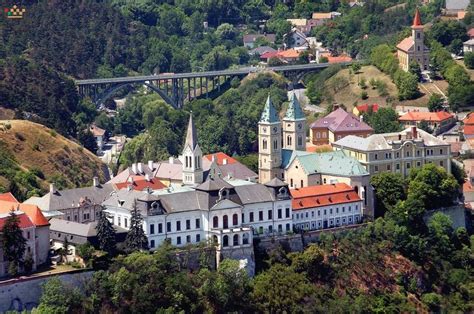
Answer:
(32, 156)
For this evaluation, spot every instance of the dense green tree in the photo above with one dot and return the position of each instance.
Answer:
(105, 233)
(280, 288)
(445, 32)
(435, 103)
(407, 84)
(414, 68)
(57, 298)
(385, 120)
(87, 139)
(13, 242)
(469, 60)
(136, 239)
(389, 189)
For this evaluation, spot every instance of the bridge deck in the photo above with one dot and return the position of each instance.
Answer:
(241, 71)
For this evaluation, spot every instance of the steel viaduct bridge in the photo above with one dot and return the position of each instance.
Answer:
(176, 88)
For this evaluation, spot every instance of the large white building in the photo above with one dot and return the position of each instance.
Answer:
(229, 212)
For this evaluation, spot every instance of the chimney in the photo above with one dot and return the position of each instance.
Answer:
(52, 188)
(134, 168)
(414, 132)
(95, 182)
(361, 118)
(147, 177)
(140, 167)
(224, 162)
(150, 164)
(171, 160)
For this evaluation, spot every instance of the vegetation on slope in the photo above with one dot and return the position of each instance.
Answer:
(31, 155)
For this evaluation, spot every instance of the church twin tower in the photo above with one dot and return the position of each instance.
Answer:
(275, 135)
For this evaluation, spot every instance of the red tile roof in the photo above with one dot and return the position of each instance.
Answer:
(406, 44)
(470, 32)
(468, 130)
(365, 108)
(467, 187)
(25, 222)
(8, 197)
(427, 116)
(139, 183)
(269, 54)
(336, 59)
(469, 119)
(323, 195)
(219, 157)
(32, 211)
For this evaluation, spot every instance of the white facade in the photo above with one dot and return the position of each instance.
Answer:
(334, 215)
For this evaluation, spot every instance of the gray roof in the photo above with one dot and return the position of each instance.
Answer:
(124, 198)
(275, 182)
(457, 4)
(470, 42)
(384, 141)
(213, 184)
(70, 227)
(255, 193)
(72, 197)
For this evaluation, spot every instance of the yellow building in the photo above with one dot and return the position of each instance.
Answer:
(413, 48)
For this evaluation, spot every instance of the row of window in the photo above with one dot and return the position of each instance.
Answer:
(323, 224)
(178, 240)
(408, 166)
(251, 218)
(197, 225)
(429, 152)
(324, 212)
(261, 230)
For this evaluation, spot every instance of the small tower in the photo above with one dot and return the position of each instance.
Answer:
(294, 126)
(269, 143)
(192, 156)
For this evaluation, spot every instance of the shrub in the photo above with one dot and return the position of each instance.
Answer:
(432, 300)
(364, 95)
(469, 60)
(53, 133)
(19, 136)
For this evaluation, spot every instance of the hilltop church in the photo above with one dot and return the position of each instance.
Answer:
(413, 48)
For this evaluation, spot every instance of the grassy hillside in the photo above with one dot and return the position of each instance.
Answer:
(343, 88)
(33, 155)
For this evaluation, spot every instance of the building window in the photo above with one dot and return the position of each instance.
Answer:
(270, 215)
(319, 213)
(188, 224)
(441, 163)
(188, 239)
(251, 217)
(398, 166)
(291, 182)
(168, 227)
(389, 167)
(178, 225)
(350, 209)
(418, 164)
(318, 135)
(418, 153)
(198, 223)
(236, 240)
(441, 152)
(408, 154)
(264, 144)
(376, 168)
(288, 140)
(325, 212)
(243, 218)
(260, 215)
(279, 213)
(287, 227)
(275, 144)
(301, 183)
(160, 228)
(376, 156)
(119, 220)
(225, 241)
(235, 219)
(152, 229)
(125, 222)
(198, 238)
(28, 235)
(300, 141)
(408, 165)
(215, 222)
(398, 155)
(178, 240)
(225, 222)
(152, 243)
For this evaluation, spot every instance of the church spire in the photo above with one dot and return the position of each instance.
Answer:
(294, 111)
(191, 135)
(417, 19)
(269, 114)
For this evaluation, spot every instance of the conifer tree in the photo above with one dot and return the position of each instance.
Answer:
(13, 242)
(136, 239)
(105, 233)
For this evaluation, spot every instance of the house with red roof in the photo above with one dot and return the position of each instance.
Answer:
(140, 183)
(337, 125)
(358, 110)
(438, 121)
(8, 197)
(36, 229)
(470, 33)
(325, 206)
(336, 59)
(412, 48)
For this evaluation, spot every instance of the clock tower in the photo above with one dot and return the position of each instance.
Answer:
(269, 144)
(294, 126)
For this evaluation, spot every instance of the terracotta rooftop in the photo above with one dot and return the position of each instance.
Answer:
(406, 44)
(340, 121)
(427, 116)
(470, 32)
(8, 197)
(25, 222)
(139, 183)
(32, 211)
(468, 130)
(469, 119)
(219, 158)
(323, 195)
(336, 59)
(417, 19)
(365, 108)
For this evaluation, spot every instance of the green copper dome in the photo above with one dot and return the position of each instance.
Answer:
(294, 111)
(269, 114)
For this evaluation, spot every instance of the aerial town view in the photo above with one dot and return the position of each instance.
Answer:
(236, 156)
